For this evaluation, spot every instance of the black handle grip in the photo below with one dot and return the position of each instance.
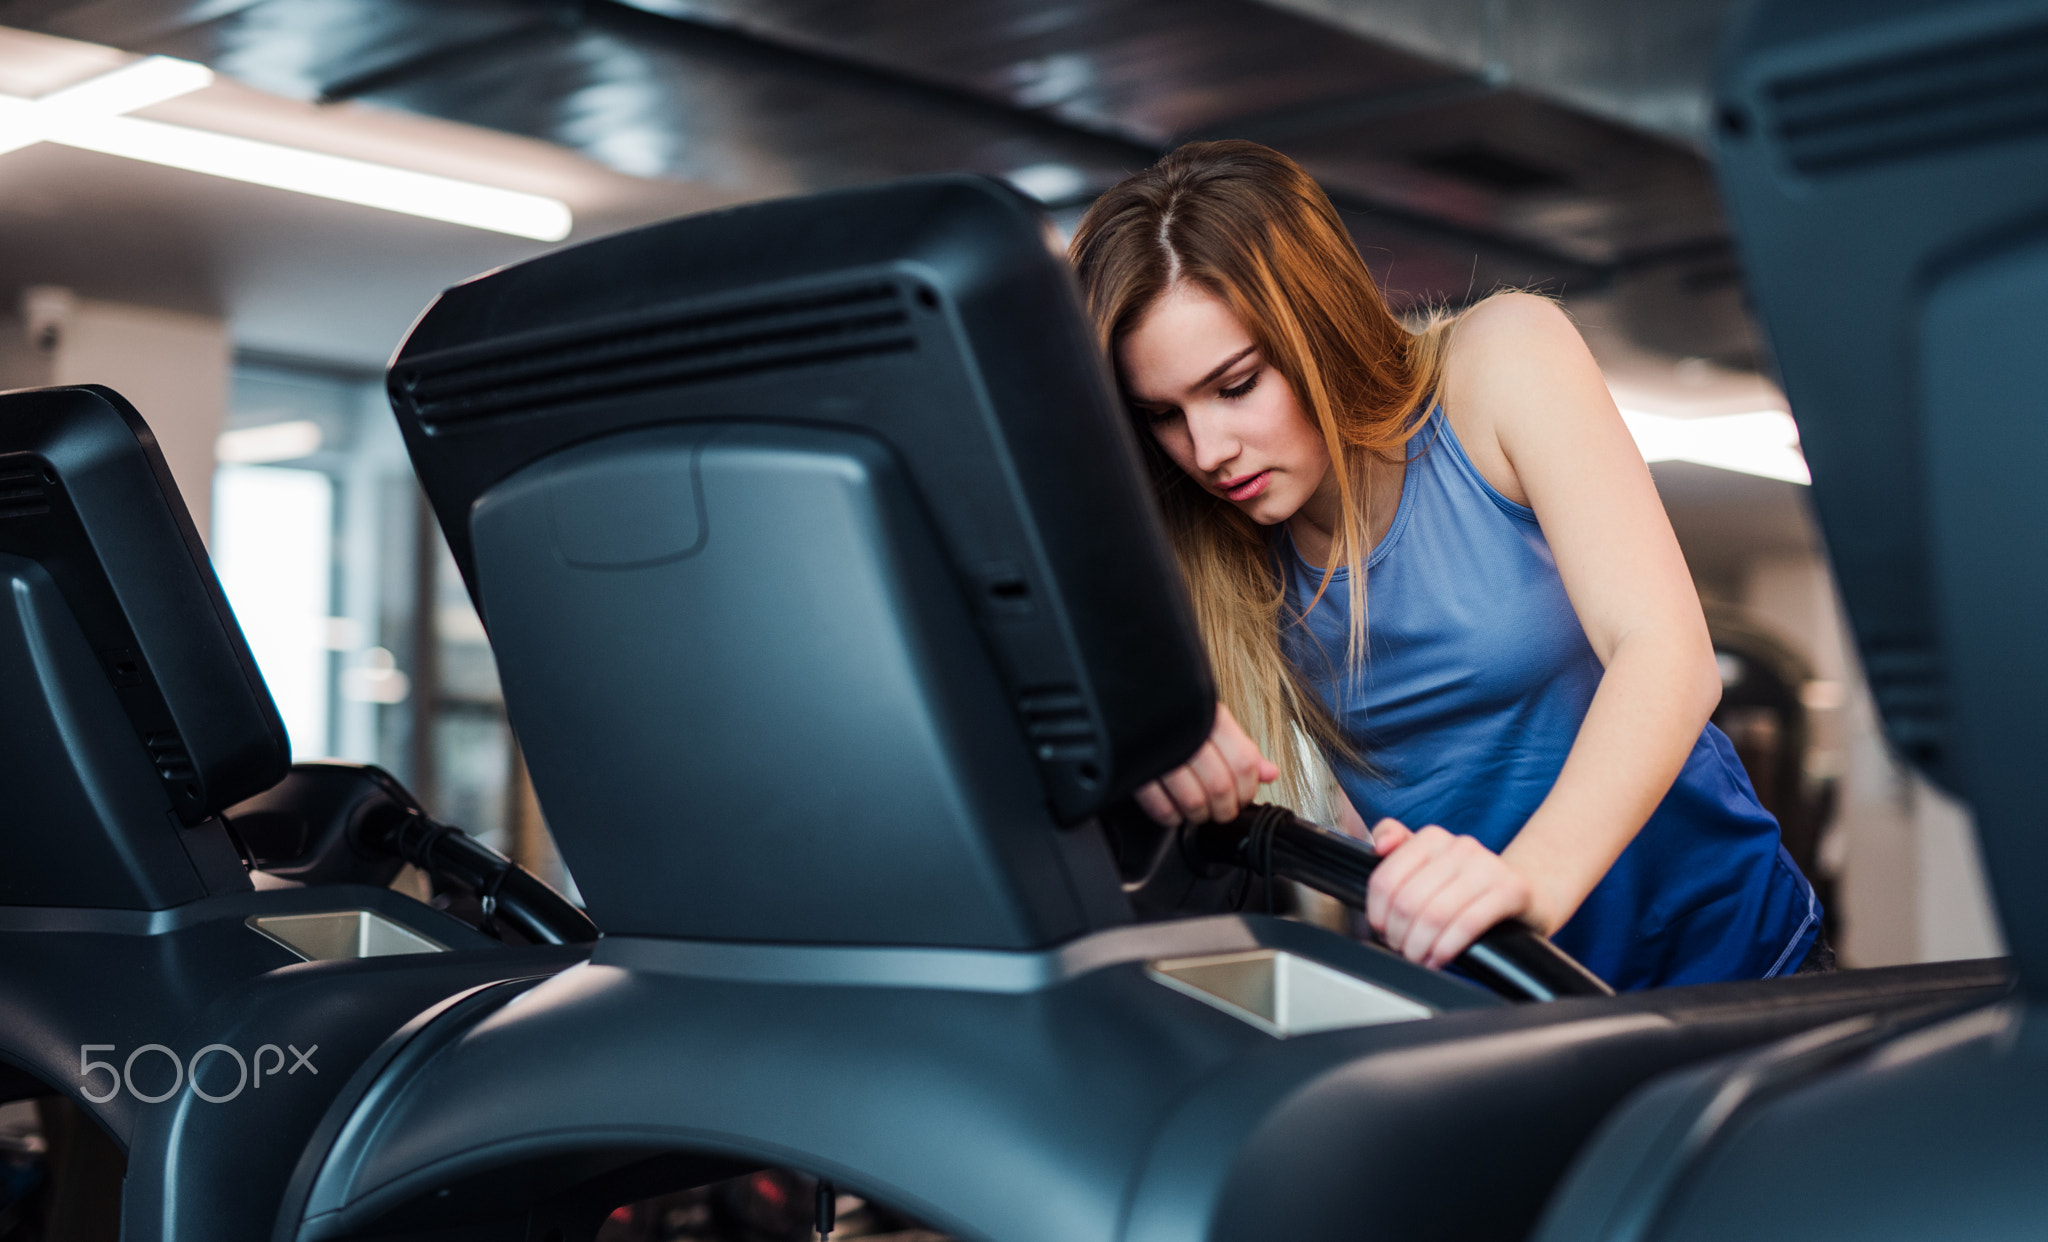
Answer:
(508, 891)
(1510, 959)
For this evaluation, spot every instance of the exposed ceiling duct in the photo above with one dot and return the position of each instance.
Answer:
(1648, 65)
(1473, 144)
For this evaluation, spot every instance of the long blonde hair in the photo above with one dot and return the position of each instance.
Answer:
(1248, 225)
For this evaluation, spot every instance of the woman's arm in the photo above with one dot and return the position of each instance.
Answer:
(1534, 414)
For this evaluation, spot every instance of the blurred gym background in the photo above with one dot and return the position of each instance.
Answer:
(239, 250)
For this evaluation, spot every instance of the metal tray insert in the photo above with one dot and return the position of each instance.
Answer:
(343, 935)
(1283, 994)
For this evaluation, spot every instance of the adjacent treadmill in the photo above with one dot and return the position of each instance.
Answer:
(1886, 168)
(197, 944)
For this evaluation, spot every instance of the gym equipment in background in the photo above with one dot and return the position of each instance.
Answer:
(1883, 167)
(147, 975)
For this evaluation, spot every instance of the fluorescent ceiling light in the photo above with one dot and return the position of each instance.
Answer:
(1763, 442)
(87, 116)
(326, 176)
(253, 446)
(151, 80)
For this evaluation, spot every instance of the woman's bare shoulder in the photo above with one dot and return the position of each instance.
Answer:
(1513, 360)
(1510, 347)
(1520, 328)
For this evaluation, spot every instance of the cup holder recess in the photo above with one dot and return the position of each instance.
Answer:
(343, 935)
(1283, 994)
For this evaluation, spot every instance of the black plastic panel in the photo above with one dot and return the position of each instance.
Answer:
(1883, 166)
(88, 822)
(130, 709)
(200, 976)
(1916, 1123)
(932, 315)
(84, 493)
(753, 704)
(1883, 160)
(1065, 1095)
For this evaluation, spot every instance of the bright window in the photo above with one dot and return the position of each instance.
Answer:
(273, 537)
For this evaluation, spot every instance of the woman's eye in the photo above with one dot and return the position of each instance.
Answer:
(1235, 391)
(1159, 414)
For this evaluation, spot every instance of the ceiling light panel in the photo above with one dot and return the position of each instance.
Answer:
(91, 116)
(326, 176)
(151, 80)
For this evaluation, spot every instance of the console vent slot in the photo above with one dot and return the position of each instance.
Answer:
(22, 493)
(693, 349)
(1057, 725)
(167, 751)
(1963, 94)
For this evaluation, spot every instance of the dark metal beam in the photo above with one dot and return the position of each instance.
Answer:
(1104, 143)
(798, 60)
(449, 56)
(1285, 123)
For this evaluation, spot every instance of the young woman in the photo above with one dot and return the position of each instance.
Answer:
(1436, 562)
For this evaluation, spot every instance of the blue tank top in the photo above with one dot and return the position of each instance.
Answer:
(1476, 679)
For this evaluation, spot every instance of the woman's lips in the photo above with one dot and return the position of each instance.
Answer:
(1247, 487)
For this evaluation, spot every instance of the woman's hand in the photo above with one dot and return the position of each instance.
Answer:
(1433, 893)
(1221, 780)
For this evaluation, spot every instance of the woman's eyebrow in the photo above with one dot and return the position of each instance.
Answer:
(1223, 366)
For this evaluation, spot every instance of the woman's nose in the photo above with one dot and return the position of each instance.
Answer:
(1214, 445)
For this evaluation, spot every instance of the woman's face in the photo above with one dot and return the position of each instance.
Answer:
(1220, 412)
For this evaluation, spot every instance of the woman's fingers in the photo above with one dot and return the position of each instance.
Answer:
(1491, 905)
(1441, 893)
(1153, 801)
(1388, 836)
(1184, 786)
(1252, 768)
(1241, 761)
(1407, 876)
(1202, 789)
(1454, 891)
(1482, 893)
(1219, 781)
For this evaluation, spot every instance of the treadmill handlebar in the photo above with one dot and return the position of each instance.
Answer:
(507, 891)
(1511, 959)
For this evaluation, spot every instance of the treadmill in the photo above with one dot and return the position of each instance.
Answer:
(836, 626)
(198, 946)
(1884, 167)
